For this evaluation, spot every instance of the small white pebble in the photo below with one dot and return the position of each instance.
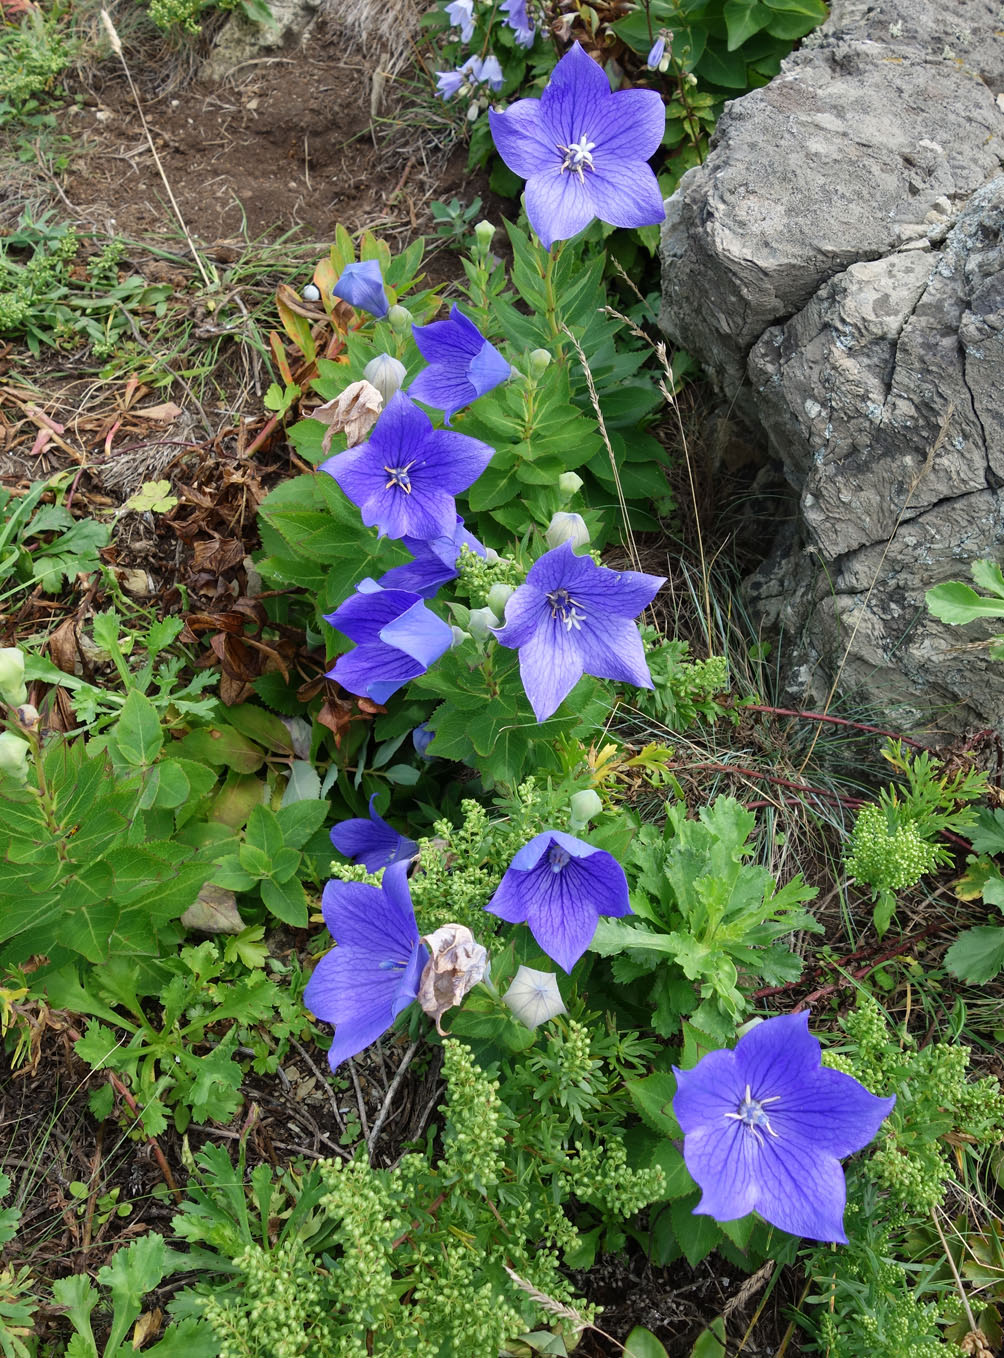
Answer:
(311, 293)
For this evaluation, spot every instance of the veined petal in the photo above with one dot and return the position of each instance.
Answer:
(559, 910)
(371, 841)
(600, 589)
(633, 123)
(550, 666)
(349, 908)
(600, 880)
(776, 1056)
(419, 633)
(624, 193)
(523, 140)
(454, 462)
(423, 576)
(453, 342)
(399, 435)
(364, 613)
(558, 205)
(488, 369)
(526, 610)
(448, 391)
(800, 1189)
(375, 671)
(719, 1160)
(832, 1112)
(531, 853)
(508, 901)
(367, 995)
(357, 472)
(574, 103)
(708, 1093)
(611, 648)
(426, 512)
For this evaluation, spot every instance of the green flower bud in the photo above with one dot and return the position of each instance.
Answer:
(13, 756)
(480, 622)
(484, 232)
(570, 483)
(400, 317)
(539, 361)
(565, 527)
(498, 596)
(585, 805)
(12, 688)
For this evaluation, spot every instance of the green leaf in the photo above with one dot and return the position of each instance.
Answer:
(404, 775)
(711, 1343)
(653, 1099)
(743, 18)
(264, 832)
(137, 732)
(987, 835)
(218, 745)
(988, 575)
(792, 19)
(285, 864)
(977, 955)
(132, 1273)
(642, 1343)
(301, 819)
(79, 1297)
(956, 603)
(286, 900)
(253, 860)
(697, 1235)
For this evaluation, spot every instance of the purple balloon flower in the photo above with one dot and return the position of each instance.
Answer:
(519, 21)
(766, 1125)
(397, 639)
(472, 73)
(405, 476)
(461, 15)
(422, 737)
(361, 285)
(372, 842)
(374, 972)
(434, 563)
(583, 151)
(559, 886)
(462, 364)
(572, 617)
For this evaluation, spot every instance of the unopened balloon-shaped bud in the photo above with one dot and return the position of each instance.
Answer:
(456, 963)
(484, 232)
(539, 361)
(27, 716)
(459, 637)
(585, 805)
(12, 688)
(565, 527)
(400, 317)
(569, 484)
(492, 557)
(534, 996)
(480, 623)
(13, 756)
(422, 737)
(386, 374)
(498, 596)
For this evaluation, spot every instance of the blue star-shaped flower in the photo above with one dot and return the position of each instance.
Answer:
(462, 364)
(374, 972)
(433, 563)
(372, 841)
(583, 151)
(397, 638)
(559, 886)
(405, 476)
(518, 21)
(765, 1127)
(572, 617)
(361, 285)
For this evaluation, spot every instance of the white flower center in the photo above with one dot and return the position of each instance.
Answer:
(398, 476)
(565, 608)
(752, 1116)
(578, 156)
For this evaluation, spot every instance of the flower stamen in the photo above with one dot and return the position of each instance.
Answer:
(399, 477)
(565, 608)
(558, 857)
(578, 157)
(751, 1114)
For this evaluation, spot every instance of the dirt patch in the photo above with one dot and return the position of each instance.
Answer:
(288, 142)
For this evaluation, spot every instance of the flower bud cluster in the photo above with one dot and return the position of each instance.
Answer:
(477, 576)
(603, 1178)
(473, 1138)
(889, 857)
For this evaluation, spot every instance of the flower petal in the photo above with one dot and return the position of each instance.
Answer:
(718, 1158)
(488, 369)
(549, 666)
(631, 128)
(454, 462)
(526, 610)
(599, 588)
(419, 633)
(561, 916)
(800, 1189)
(575, 102)
(523, 140)
(832, 1112)
(375, 671)
(611, 648)
(364, 613)
(777, 1056)
(448, 391)
(558, 205)
(399, 435)
(625, 193)
(371, 841)
(453, 342)
(705, 1095)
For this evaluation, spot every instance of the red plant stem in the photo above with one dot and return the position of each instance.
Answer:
(834, 721)
(876, 961)
(770, 778)
(134, 1108)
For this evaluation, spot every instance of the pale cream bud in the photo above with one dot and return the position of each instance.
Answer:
(386, 374)
(12, 687)
(13, 756)
(566, 527)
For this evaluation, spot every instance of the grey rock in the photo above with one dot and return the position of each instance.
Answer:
(837, 265)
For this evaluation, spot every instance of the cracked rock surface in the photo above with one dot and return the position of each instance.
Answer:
(837, 265)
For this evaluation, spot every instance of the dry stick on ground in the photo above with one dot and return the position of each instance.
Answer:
(942, 433)
(116, 43)
(381, 1118)
(955, 1272)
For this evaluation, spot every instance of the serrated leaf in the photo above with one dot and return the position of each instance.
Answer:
(286, 900)
(653, 1100)
(977, 955)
